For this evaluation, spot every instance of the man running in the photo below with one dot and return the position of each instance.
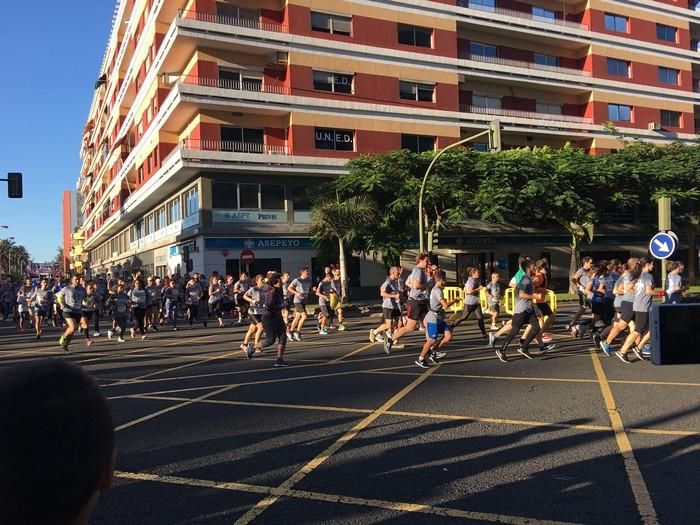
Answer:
(70, 299)
(300, 288)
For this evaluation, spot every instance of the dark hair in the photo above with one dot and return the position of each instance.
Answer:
(636, 270)
(56, 442)
(602, 270)
(673, 266)
(421, 257)
(525, 263)
(587, 260)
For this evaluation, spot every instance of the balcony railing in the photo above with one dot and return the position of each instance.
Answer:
(234, 147)
(522, 14)
(244, 85)
(248, 23)
(466, 55)
(499, 112)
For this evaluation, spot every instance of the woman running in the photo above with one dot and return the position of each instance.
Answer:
(139, 303)
(624, 290)
(193, 296)
(41, 301)
(674, 289)
(391, 306)
(255, 311)
(88, 310)
(493, 292)
(215, 301)
(544, 312)
(274, 326)
(120, 311)
(171, 294)
(472, 302)
(643, 298)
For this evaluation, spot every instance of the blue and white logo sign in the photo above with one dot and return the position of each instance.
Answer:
(663, 244)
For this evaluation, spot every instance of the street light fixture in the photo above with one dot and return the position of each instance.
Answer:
(494, 133)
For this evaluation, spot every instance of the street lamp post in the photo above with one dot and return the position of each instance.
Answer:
(494, 133)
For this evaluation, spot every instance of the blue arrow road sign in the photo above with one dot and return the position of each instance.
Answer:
(663, 245)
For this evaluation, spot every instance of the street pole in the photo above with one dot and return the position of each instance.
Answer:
(496, 146)
(664, 226)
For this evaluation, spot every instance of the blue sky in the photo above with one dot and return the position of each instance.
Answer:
(50, 59)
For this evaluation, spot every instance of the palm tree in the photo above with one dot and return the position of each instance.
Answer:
(5, 246)
(344, 221)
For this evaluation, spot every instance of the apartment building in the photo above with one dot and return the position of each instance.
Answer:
(211, 119)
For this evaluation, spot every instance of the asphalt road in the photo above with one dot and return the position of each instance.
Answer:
(349, 435)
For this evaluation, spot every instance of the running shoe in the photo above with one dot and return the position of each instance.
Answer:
(433, 358)
(522, 351)
(281, 363)
(96, 334)
(38, 336)
(297, 336)
(89, 342)
(372, 335)
(62, 341)
(323, 332)
(605, 347)
(638, 353)
(143, 337)
(379, 338)
(341, 327)
(174, 328)
(494, 327)
(440, 355)
(622, 357)
(121, 339)
(133, 332)
(646, 352)
(574, 331)
(388, 343)
(492, 339)
(290, 337)
(110, 334)
(501, 355)
(422, 363)
(250, 350)
(596, 340)
(244, 346)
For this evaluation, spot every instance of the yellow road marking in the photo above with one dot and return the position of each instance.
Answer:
(639, 488)
(361, 349)
(332, 449)
(504, 378)
(172, 408)
(277, 492)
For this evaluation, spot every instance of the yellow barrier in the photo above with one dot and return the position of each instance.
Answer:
(451, 293)
(509, 300)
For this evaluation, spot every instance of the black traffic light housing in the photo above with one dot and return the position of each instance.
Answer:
(14, 185)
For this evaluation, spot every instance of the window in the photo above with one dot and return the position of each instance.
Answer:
(666, 33)
(301, 198)
(668, 75)
(416, 91)
(248, 197)
(249, 17)
(480, 146)
(619, 113)
(417, 143)
(174, 211)
(671, 119)
(483, 50)
(191, 202)
(272, 197)
(243, 140)
(224, 195)
(543, 14)
(618, 68)
(244, 80)
(334, 24)
(487, 5)
(149, 221)
(616, 23)
(337, 139)
(550, 108)
(546, 60)
(486, 101)
(160, 218)
(415, 36)
(334, 82)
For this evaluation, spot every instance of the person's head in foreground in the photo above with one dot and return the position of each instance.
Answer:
(56, 444)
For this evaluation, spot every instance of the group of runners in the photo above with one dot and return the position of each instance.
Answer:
(619, 296)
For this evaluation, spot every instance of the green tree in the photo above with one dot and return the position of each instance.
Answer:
(341, 220)
(58, 259)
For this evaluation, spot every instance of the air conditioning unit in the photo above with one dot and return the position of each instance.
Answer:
(654, 126)
(282, 58)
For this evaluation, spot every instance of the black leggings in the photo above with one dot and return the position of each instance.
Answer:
(216, 309)
(468, 310)
(120, 322)
(140, 315)
(274, 329)
(519, 320)
(97, 320)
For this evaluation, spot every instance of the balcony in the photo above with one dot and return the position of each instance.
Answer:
(247, 23)
(228, 146)
(466, 55)
(236, 85)
(515, 113)
(522, 14)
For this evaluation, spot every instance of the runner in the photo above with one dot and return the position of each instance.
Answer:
(70, 299)
(586, 264)
(391, 306)
(336, 302)
(139, 304)
(153, 300)
(523, 314)
(88, 310)
(215, 301)
(171, 295)
(674, 289)
(22, 309)
(544, 312)
(288, 300)
(435, 322)
(472, 302)
(643, 298)
(624, 294)
(41, 301)
(255, 311)
(274, 327)
(193, 298)
(493, 292)
(324, 292)
(240, 287)
(299, 288)
(418, 304)
(119, 302)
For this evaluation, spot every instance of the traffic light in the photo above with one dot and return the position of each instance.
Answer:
(14, 185)
(433, 238)
(495, 135)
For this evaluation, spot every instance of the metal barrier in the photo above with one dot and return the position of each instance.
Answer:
(454, 292)
(509, 300)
